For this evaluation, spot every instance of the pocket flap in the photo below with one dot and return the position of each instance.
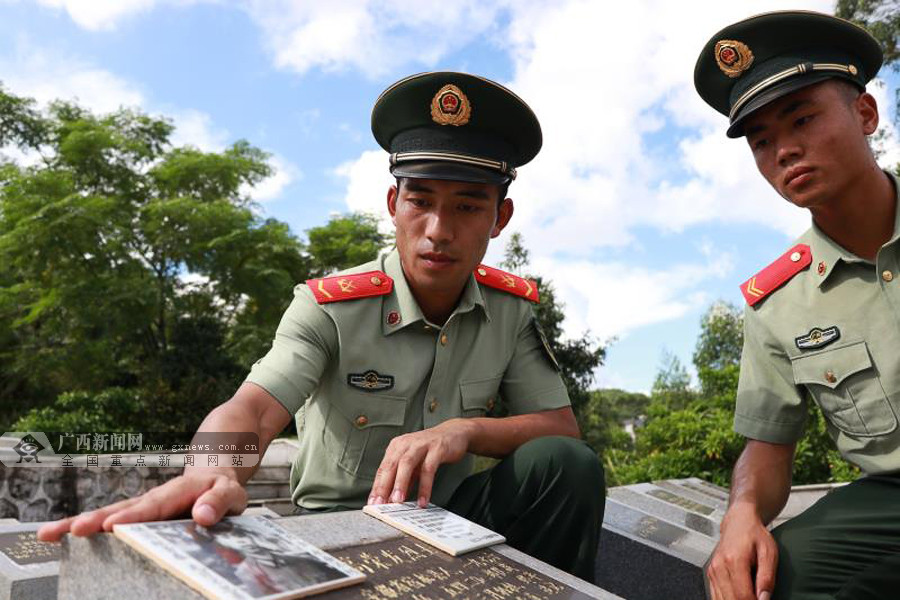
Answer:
(831, 367)
(366, 410)
(478, 394)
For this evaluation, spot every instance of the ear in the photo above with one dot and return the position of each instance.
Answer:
(392, 203)
(504, 214)
(867, 109)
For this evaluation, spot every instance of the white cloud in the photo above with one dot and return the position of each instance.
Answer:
(195, 128)
(628, 145)
(46, 75)
(284, 174)
(372, 36)
(368, 181)
(105, 15)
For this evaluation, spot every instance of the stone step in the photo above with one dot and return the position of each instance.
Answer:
(283, 506)
(266, 488)
(272, 473)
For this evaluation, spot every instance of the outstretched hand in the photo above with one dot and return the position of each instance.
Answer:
(416, 457)
(208, 496)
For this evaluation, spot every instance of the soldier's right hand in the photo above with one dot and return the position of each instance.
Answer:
(208, 495)
(745, 545)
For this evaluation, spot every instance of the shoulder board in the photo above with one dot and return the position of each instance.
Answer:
(501, 280)
(777, 274)
(350, 287)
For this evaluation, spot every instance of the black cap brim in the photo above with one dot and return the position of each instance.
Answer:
(448, 171)
(736, 129)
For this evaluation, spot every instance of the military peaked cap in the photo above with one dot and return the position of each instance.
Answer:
(455, 126)
(755, 61)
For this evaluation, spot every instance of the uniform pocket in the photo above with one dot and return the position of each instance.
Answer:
(479, 396)
(358, 428)
(845, 384)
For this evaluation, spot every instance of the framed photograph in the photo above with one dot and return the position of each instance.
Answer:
(239, 558)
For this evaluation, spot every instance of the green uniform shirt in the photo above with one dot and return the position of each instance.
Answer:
(427, 374)
(852, 373)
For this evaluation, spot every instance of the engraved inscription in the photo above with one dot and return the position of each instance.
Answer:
(408, 568)
(681, 501)
(23, 548)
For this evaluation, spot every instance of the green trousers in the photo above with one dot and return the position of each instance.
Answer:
(546, 498)
(845, 547)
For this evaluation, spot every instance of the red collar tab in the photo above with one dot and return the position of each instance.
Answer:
(777, 274)
(350, 287)
(507, 282)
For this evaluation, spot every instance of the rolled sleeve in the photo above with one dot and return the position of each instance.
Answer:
(531, 382)
(305, 342)
(770, 406)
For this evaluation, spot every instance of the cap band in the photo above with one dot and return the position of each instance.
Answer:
(494, 165)
(801, 69)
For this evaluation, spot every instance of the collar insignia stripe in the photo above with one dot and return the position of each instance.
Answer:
(350, 287)
(507, 282)
(761, 285)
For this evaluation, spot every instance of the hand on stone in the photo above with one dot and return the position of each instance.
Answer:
(417, 456)
(745, 545)
(208, 495)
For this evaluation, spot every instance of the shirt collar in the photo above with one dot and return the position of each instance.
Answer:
(827, 253)
(402, 302)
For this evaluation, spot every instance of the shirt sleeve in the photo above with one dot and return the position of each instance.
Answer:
(531, 382)
(770, 406)
(305, 342)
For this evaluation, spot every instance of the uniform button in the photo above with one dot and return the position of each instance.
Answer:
(796, 256)
(444, 339)
(376, 281)
(432, 406)
(490, 404)
(362, 421)
(887, 276)
(830, 377)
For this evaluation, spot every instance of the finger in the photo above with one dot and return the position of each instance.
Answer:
(164, 502)
(407, 466)
(52, 532)
(226, 497)
(384, 478)
(766, 567)
(739, 578)
(721, 577)
(426, 476)
(91, 522)
(713, 588)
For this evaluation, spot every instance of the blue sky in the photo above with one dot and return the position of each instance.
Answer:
(638, 209)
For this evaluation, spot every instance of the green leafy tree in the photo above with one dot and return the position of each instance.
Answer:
(578, 358)
(346, 241)
(126, 262)
(880, 17)
(697, 440)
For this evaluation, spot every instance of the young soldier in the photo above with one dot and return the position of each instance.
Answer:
(823, 321)
(391, 367)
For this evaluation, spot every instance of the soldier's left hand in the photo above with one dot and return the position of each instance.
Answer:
(417, 456)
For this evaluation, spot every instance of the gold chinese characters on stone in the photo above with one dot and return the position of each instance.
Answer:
(450, 106)
(733, 57)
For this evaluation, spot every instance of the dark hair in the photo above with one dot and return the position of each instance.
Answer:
(849, 91)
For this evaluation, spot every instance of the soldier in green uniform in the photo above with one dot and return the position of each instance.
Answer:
(390, 368)
(823, 321)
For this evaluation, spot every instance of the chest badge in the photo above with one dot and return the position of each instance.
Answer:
(370, 381)
(818, 338)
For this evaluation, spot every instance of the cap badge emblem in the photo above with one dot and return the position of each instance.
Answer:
(450, 106)
(733, 57)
